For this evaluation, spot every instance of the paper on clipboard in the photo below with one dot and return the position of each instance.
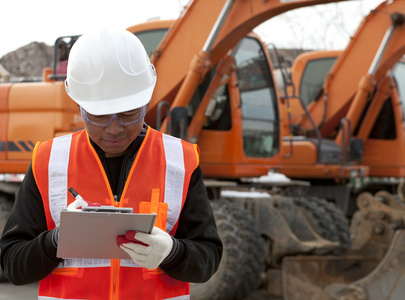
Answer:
(93, 234)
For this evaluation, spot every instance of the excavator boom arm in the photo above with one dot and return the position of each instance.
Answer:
(364, 56)
(212, 27)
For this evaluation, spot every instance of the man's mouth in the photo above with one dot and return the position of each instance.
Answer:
(114, 142)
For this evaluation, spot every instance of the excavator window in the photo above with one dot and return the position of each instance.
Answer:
(221, 116)
(151, 39)
(313, 78)
(220, 119)
(384, 126)
(399, 76)
(258, 100)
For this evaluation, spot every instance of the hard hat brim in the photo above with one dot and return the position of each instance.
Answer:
(123, 104)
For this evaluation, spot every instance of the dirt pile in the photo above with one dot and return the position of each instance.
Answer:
(28, 61)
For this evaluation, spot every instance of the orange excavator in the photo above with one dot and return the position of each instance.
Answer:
(216, 88)
(346, 114)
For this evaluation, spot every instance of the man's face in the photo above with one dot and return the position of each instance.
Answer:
(115, 138)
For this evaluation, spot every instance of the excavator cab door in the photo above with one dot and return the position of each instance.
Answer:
(258, 100)
(244, 121)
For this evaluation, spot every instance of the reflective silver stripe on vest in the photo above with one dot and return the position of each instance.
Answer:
(128, 263)
(84, 263)
(57, 177)
(175, 174)
(94, 263)
(51, 298)
(185, 297)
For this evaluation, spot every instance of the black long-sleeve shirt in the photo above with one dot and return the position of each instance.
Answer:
(29, 255)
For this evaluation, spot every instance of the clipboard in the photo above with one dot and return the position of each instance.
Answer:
(93, 234)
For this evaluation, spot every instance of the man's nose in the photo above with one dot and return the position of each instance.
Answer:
(114, 127)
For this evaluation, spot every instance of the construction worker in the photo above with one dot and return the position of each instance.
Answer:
(116, 160)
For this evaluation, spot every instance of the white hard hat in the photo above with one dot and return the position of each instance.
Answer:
(109, 72)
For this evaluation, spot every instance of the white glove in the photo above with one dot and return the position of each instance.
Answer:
(78, 204)
(157, 248)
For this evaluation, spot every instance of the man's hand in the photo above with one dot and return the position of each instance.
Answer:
(78, 204)
(146, 250)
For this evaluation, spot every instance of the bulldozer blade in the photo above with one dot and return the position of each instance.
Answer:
(386, 281)
(288, 228)
(348, 276)
(306, 277)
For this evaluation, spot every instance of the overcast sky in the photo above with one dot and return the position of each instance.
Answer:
(328, 26)
(26, 21)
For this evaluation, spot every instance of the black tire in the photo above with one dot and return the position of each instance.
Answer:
(242, 258)
(340, 221)
(253, 249)
(328, 221)
(5, 208)
(220, 283)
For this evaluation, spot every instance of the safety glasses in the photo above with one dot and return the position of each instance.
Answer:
(125, 118)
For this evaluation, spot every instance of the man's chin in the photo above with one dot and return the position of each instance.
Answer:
(114, 152)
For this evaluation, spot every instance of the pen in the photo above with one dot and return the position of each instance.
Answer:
(75, 194)
(78, 197)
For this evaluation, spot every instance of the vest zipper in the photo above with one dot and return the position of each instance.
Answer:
(114, 293)
(122, 179)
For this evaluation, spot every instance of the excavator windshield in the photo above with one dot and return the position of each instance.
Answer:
(151, 38)
(258, 100)
(313, 78)
(399, 75)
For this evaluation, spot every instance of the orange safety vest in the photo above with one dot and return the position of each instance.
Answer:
(157, 182)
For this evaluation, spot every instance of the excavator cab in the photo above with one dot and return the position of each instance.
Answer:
(237, 101)
(244, 120)
(307, 153)
(308, 83)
